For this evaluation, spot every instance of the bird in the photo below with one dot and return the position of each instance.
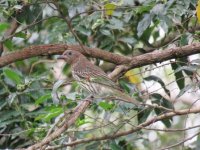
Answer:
(93, 78)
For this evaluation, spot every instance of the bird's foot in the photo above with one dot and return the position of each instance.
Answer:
(89, 98)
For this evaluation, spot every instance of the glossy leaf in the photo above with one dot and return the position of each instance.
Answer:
(144, 24)
(184, 90)
(157, 79)
(180, 80)
(160, 100)
(43, 98)
(12, 75)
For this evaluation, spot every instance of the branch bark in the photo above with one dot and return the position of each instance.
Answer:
(131, 62)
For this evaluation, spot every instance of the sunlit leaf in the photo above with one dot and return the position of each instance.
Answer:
(4, 26)
(106, 105)
(133, 76)
(81, 122)
(12, 75)
(43, 98)
(198, 11)
(51, 113)
(109, 8)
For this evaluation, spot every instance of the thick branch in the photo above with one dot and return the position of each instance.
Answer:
(131, 62)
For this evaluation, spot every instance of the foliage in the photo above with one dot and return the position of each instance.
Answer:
(33, 101)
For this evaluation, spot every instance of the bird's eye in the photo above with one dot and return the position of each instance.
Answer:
(70, 53)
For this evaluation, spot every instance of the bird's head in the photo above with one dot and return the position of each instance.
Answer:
(70, 56)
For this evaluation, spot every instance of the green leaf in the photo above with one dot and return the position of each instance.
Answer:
(98, 23)
(157, 79)
(186, 88)
(143, 115)
(109, 8)
(12, 75)
(18, 6)
(115, 24)
(129, 40)
(92, 145)
(80, 122)
(158, 9)
(55, 89)
(84, 30)
(197, 143)
(184, 40)
(43, 98)
(8, 122)
(105, 32)
(191, 68)
(8, 115)
(21, 35)
(51, 113)
(144, 24)
(180, 80)
(29, 107)
(4, 26)
(125, 86)
(11, 98)
(8, 43)
(114, 145)
(106, 105)
(160, 100)
(143, 8)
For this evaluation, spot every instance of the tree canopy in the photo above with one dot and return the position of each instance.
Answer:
(149, 48)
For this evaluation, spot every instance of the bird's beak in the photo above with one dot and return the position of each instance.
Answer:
(61, 57)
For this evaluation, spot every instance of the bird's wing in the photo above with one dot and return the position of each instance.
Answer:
(94, 74)
(100, 77)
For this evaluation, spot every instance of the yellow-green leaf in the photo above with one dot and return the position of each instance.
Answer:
(198, 11)
(133, 76)
(109, 8)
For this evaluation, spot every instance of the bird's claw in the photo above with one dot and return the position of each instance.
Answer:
(90, 98)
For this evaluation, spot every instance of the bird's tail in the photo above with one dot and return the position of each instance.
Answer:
(126, 98)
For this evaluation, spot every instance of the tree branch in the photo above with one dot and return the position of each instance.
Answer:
(131, 62)
(136, 129)
(77, 112)
(10, 31)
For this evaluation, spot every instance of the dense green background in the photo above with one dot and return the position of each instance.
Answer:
(28, 88)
